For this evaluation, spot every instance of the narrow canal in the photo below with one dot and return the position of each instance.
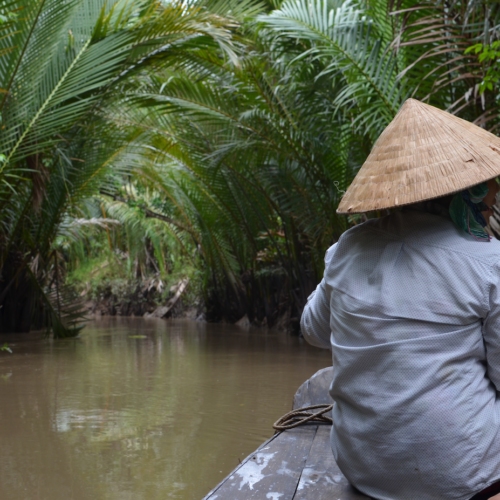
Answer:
(141, 409)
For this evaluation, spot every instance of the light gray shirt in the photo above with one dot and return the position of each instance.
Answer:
(410, 307)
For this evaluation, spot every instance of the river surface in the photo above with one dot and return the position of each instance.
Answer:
(141, 409)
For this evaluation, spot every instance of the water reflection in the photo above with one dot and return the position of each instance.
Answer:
(141, 409)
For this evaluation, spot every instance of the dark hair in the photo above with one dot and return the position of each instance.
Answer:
(444, 201)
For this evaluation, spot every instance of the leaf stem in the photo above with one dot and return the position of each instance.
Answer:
(45, 104)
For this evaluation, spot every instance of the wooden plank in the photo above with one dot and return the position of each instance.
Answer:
(272, 472)
(263, 445)
(315, 390)
(297, 464)
(321, 478)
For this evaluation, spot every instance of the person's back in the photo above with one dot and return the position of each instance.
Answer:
(413, 308)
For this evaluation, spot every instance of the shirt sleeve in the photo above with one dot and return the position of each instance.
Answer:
(491, 336)
(315, 321)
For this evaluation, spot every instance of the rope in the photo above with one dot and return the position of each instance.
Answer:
(300, 416)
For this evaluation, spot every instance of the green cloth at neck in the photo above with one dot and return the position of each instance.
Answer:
(465, 211)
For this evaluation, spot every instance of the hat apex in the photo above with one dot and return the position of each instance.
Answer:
(424, 153)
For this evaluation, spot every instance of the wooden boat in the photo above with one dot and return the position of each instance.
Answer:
(296, 464)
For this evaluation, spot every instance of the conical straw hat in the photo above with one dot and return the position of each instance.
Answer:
(424, 153)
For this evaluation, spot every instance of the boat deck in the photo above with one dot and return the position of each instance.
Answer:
(296, 464)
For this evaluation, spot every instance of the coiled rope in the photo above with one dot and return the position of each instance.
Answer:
(301, 416)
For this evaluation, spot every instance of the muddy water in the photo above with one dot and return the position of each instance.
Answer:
(141, 409)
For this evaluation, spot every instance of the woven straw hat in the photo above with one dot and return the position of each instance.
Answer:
(424, 153)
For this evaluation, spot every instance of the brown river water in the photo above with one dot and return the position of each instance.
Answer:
(141, 409)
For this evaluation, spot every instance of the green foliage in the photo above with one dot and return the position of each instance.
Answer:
(62, 64)
(215, 137)
(250, 160)
(6, 348)
(489, 55)
(124, 256)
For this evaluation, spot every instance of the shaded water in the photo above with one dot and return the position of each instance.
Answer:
(141, 409)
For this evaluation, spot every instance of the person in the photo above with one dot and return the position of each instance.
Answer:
(410, 307)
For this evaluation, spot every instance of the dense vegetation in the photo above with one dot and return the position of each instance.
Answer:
(212, 138)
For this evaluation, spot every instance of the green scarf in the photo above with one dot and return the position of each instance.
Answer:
(465, 211)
